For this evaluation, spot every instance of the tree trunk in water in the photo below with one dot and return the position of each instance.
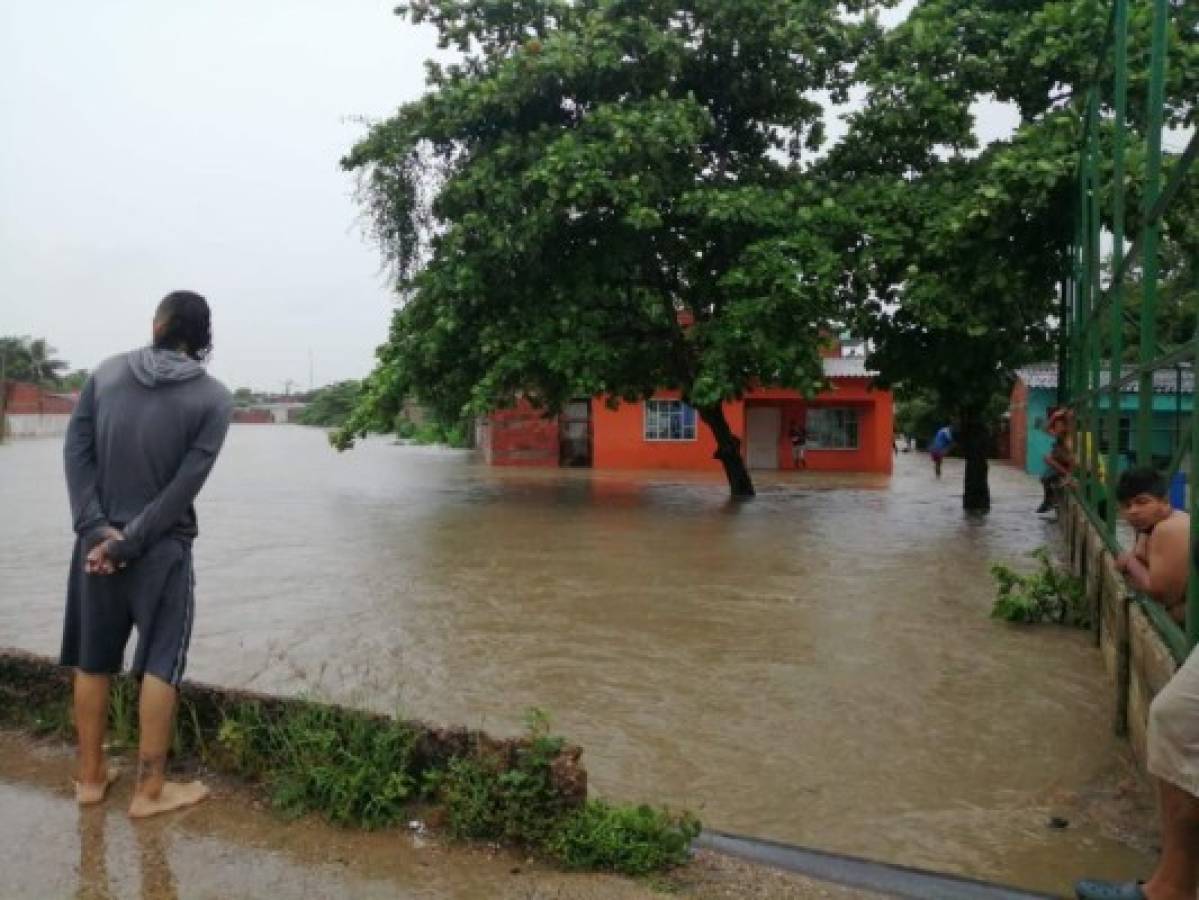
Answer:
(728, 451)
(976, 442)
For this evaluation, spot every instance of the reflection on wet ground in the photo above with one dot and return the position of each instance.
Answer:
(815, 666)
(231, 848)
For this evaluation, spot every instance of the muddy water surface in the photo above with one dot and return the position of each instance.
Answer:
(814, 666)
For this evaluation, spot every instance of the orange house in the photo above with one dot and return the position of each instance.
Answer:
(847, 428)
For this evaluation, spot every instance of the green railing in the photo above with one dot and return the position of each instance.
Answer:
(1094, 372)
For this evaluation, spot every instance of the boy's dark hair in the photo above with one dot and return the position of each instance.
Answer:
(1141, 480)
(188, 323)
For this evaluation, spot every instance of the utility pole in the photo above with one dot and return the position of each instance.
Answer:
(311, 380)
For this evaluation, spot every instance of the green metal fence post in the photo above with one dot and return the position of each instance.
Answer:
(1117, 286)
(1094, 420)
(1193, 485)
(1088, 276)
(1152, 228)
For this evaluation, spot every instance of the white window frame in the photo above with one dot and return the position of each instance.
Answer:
(857, 431)
(684, 409)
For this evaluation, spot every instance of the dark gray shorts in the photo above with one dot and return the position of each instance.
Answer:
(155, 593)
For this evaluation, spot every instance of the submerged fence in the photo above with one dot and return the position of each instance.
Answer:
(1132, 394)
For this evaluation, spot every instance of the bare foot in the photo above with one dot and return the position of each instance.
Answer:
(87, 794)
(174, 795)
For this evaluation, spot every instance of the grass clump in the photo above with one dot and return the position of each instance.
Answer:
(1048, 594)
(520, 806)
(352, 769)
(488, 800)
(632, 840)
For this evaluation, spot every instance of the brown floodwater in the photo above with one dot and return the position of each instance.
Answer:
(815, 666)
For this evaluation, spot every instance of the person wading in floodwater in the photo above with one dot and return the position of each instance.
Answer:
(141, 442)
(1158, 566)
(942, 442)
(799, 440)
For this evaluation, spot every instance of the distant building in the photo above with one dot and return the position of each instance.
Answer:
(848, 429)
(253, 415)
(1035, 391)
(28, 410)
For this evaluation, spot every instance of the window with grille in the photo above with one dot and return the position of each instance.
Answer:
(833, 428)
(669, 420)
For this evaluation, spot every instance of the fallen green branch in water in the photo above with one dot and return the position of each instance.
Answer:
(358, 769)
(1049, 594)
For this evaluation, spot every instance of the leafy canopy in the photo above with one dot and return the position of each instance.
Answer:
(608, 197)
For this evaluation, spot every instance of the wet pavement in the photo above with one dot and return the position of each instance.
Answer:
(230, 847)
(815, 666)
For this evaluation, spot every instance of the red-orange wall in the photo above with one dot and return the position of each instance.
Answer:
(619, 441)
(1018, 441)
(22, 398)
(875, 424)
(520, 436)
(619, 438)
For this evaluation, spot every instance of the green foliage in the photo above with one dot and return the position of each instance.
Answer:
(633, 840)
(918, 414)
(486, 799)
(52, 720)
(404, 427)
(330, 407)
(351, 768)
(960, 252)
(1177, 292)
(32, 359)
(122, 712)
(592, 177)
(73, 381)
(433, 432)
(1046, 595)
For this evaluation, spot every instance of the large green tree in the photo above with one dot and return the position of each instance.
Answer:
(963, 250)
(607, 197)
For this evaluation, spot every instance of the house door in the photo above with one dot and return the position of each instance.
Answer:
(763, 426)
(574, 434)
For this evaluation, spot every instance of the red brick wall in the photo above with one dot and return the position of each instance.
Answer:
(253, 417)
(520, 436)
(23, 399)
(1018, 438)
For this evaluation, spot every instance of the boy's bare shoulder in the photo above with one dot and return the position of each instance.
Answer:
(1178, 526)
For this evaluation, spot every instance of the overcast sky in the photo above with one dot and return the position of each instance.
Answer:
(153, 145)
(150, 146)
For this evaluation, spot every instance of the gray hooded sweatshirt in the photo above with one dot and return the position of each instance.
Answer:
(141, 442)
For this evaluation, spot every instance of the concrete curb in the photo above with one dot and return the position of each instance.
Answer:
(852, 871)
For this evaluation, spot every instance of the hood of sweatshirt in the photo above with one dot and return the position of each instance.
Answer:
(153, 367)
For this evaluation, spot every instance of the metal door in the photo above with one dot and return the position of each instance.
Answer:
(763, 426)
(574, 434)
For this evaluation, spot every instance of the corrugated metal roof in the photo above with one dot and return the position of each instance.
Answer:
(1165, 381)
(847, 367)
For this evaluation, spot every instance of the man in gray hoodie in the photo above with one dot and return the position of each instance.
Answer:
(141, 442)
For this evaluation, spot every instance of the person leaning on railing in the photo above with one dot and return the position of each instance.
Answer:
(1059, 461)
(1159, 566)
